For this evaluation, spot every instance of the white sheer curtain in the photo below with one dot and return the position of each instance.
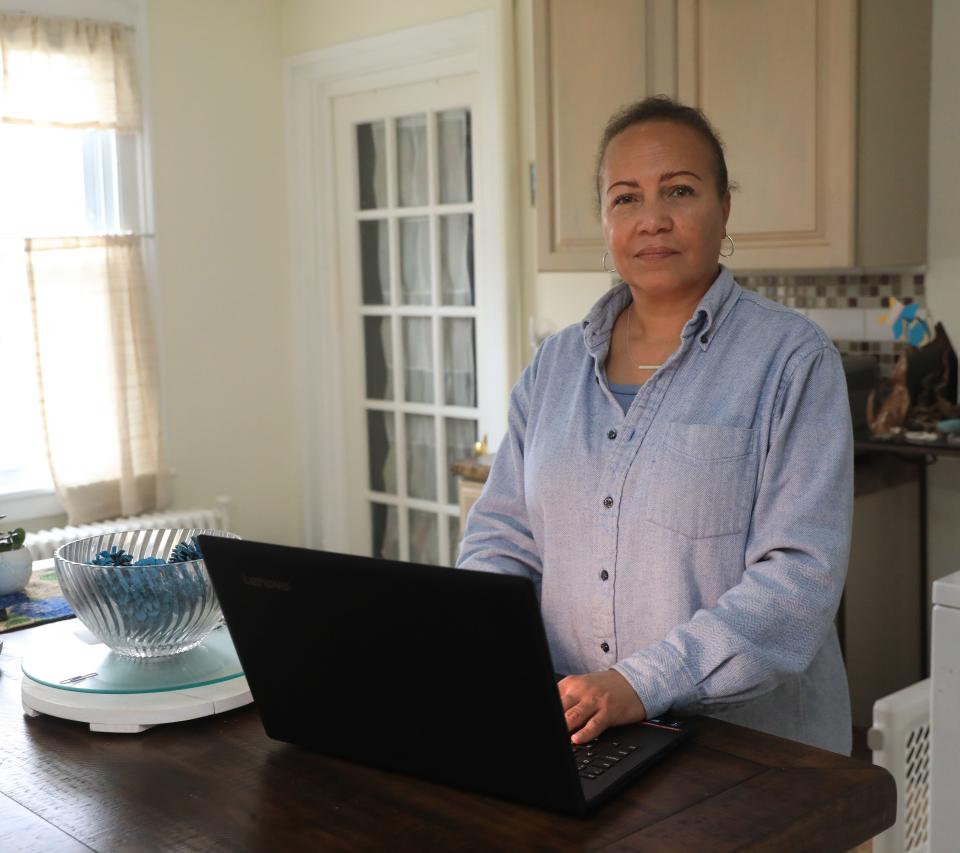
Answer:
(95, 352)
(380, 264)
(415, 261)
(423, 537)
(421, 457)
(459, 373)
(418, 359)
(412, 160)
(98, 370)
(453, 141)
(456, 254)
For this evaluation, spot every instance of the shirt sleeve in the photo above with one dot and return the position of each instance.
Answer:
(770, 625)
(497, 537)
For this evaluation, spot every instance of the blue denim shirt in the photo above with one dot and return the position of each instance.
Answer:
(698, 543)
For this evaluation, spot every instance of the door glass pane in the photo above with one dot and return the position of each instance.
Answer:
(415, 261)
(424, 547)
(453, 144)
(382, 455)
(378, 347)
(456, 259)
(421, 458)
(412, 160)
(454, 524)
(372, 165)
(459, 374)
(375, 262)
(461, 435)
(418, 359)
(384, 525)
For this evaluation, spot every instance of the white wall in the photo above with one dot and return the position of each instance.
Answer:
(307, 25)
(226, 348)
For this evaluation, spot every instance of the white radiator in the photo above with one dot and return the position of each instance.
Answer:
(43, 543)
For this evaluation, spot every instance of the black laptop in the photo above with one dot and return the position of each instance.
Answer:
(439, 673)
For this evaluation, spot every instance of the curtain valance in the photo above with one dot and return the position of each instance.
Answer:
(67, 73)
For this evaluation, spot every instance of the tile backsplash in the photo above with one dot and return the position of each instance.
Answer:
(847, 307)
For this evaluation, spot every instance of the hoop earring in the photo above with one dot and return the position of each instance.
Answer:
(603, 263)
(733, 247)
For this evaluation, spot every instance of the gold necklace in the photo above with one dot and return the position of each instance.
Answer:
(638, 366)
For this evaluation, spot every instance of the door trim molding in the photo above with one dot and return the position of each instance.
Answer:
(476, 43)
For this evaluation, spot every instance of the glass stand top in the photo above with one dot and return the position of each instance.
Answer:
(72, 664)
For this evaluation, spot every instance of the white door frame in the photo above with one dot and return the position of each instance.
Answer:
(472, 43)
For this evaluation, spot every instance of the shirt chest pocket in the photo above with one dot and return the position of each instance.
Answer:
(703, 479)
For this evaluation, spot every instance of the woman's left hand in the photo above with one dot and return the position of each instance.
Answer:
(596, 701)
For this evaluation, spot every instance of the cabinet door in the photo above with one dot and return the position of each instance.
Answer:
(778, 80)
(590, 59)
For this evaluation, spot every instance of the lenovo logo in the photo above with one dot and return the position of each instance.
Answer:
(266, 583)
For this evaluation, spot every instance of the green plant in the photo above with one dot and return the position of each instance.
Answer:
(11, 540)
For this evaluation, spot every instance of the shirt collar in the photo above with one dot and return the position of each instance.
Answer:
(710, 313)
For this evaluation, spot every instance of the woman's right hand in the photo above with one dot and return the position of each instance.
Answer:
(595, 701)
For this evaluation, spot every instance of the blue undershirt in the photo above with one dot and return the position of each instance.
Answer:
(624, 394)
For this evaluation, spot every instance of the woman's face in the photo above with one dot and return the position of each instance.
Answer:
(662, 217)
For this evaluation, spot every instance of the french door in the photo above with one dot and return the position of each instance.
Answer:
(411, 285)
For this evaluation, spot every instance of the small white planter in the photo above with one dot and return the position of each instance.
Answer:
(15, 568)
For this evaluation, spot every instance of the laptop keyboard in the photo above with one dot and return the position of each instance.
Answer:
(600, 755)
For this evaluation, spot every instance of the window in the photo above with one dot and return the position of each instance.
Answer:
(61, 176)
(56, 182)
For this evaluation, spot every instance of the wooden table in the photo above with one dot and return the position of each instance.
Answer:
(219, 784)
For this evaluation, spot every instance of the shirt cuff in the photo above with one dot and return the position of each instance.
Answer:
(659, 678)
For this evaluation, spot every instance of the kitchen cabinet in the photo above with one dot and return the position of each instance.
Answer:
(823, 107)
(589, 59)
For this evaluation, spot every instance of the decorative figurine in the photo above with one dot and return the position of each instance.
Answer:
(889, 420)
(932, 382)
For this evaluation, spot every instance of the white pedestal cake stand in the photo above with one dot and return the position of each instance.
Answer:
(75, 677)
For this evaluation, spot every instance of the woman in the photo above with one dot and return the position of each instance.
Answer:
(677, 474)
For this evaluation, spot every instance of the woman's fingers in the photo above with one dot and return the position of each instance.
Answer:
(572, 699)
(568, 698)
(594, 727)
(577, 715)
(585, 721)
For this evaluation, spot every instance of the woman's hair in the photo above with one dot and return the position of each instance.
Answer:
(662, 108)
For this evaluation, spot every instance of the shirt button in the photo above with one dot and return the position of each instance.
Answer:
(608, 502)
(704, 339)
(604, 575)
(612, 434)
(605, 647)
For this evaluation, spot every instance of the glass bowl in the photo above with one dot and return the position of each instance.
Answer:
(140, 611)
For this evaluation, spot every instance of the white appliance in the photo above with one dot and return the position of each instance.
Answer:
(945, 716)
